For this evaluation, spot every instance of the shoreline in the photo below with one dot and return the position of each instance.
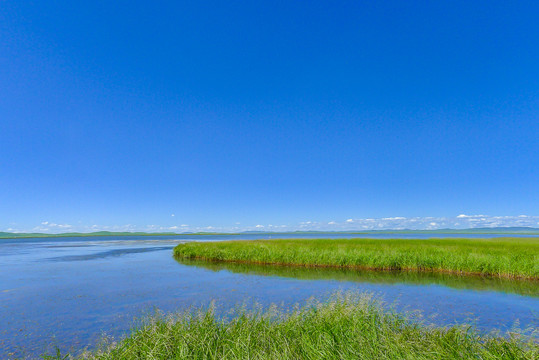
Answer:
(498, 231)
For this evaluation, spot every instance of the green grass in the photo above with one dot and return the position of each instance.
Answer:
(501, 257)
(346, 327)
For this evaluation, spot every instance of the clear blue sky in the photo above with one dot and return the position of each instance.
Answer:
(231, 114)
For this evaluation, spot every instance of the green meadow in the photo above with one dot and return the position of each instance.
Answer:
(345, 327)
(498, 257)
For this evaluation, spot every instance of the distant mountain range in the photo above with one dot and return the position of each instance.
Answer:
(8, 235)
(493, 230)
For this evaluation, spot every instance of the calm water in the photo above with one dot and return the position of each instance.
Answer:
(68, 292)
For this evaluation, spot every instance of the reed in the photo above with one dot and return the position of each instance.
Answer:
(501, 257)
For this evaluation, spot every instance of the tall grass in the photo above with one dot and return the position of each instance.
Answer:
(346, 327)
(503, 257)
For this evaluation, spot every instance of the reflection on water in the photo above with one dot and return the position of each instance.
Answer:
(478, 283)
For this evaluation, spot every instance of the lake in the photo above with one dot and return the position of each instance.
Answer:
(70, 292)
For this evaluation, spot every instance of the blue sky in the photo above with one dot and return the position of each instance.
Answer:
(300, 115)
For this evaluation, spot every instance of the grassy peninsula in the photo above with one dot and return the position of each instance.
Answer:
(345, 327)
(501, 257)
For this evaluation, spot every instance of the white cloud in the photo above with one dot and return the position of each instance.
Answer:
(461, 221)
(172, 215)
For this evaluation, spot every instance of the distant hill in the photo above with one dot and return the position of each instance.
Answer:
(483, 230)
(513, 229)
(486, 230)
(8, 235)
(493, 230)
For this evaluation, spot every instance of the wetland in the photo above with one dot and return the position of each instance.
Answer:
(70, 293)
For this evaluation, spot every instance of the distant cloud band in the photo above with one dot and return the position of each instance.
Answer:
(462, 221)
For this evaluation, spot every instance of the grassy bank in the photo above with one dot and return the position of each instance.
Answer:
(346, 327)
(502, 257)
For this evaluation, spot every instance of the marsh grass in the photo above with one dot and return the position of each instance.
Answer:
(501, 257)
(345, 327)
